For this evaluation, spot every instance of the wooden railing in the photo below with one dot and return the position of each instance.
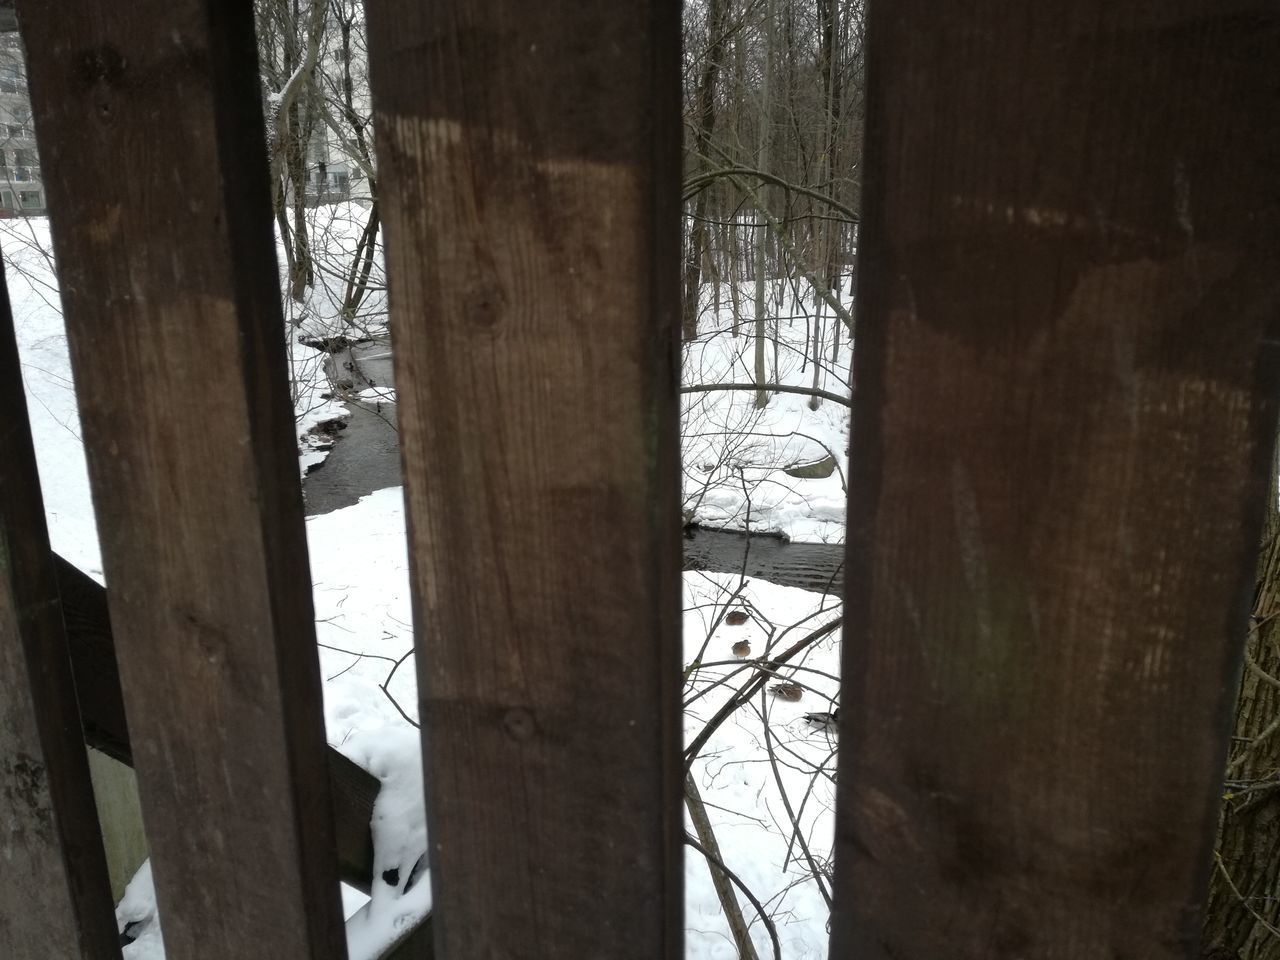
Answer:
(1064, 408)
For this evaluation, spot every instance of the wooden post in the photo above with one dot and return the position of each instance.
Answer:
(529, 176)
(55, 899)
(93, 660)
(1064, 404)
(151, 138)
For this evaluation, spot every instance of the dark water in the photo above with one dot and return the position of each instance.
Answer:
(810, 566)
(366, 458)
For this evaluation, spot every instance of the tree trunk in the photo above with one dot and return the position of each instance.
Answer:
(706, 120)
(735, 276)
(1243, 919)
(815, 401)
(761, 236)
(761, 312)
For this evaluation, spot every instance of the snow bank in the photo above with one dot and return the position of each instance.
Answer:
(735, 456)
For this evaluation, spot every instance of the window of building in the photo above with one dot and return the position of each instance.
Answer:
(30, 199)
(22, 173)
(6, 199)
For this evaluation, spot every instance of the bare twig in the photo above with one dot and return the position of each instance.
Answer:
(746, 892)
(751, 688)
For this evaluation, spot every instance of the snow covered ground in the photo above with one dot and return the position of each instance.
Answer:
(363, 627)
(765, 776)
(735, 456)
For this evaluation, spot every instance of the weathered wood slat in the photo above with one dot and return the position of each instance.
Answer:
(529, 174)
(151, 141)
(1065, 400)
(93, 659)
(55, 899)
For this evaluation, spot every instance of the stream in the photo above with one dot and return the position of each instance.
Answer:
(366, 457)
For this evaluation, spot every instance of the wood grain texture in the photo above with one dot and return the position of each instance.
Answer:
(150, 131)
(1064, 403)
(529, 168)
(93, 660)
(55, 898)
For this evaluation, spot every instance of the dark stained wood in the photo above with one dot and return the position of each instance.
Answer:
(1064, 403)
(529, 171)
(151, 140)
(354, 791)
(55, 898)
(93, 658)
(419, 944)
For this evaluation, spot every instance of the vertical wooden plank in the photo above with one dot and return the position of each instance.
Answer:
(93, 662)
(1065, 402)
(529, 170)
(55, 899)
(151, 135)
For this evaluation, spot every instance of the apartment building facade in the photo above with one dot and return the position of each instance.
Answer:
(21, 188)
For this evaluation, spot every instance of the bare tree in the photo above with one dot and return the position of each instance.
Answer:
(704, 122)
(1243, 918)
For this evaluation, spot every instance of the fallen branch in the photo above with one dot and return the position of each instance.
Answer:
(737, 882)
(719, 878)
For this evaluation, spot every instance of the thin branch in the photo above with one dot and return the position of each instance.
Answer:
(737, 882)
(775, 387)
(797, 830)
(699, 183)
(749, 691)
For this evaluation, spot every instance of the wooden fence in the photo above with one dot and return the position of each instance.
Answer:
(1064, 409)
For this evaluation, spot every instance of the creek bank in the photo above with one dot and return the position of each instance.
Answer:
(365, 457)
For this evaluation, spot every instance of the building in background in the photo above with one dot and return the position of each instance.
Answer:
(330, 174)
(21, 189)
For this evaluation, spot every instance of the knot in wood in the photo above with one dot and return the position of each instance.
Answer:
(519, 723)
(101, 64)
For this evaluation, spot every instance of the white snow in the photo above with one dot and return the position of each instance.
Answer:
(51, 401)
(401, 880)
(735, 455)
(360, 575)
(136, 913)
(747, 796)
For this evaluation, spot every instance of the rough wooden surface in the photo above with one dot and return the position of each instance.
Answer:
(529, 170)
(84, 609)
(55, 899)
(151, 140)
(93, 658)
(1065, 397)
